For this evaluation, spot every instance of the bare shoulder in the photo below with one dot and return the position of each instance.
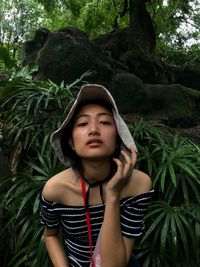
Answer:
(139, 183)
(56, 185)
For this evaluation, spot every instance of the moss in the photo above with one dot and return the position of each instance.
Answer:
(173, 99)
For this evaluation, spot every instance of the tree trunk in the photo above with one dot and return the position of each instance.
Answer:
(142, 33)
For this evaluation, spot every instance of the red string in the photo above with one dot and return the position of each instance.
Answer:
(88, 220)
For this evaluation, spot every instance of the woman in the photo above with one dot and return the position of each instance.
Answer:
(100, 189)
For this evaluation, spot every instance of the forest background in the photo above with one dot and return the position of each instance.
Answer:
(32, 109)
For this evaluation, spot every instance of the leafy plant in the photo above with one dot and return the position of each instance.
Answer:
(173, 163)
(21, 201)
(5, 57)
(31, 113)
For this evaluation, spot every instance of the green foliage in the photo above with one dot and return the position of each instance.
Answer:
(172, 19)
(6, 58)
(29, 105)
(173, 218)
(177, 28)
(32, 111)
(21, 205)
(179, 55)
(94, 17)
(19, 18)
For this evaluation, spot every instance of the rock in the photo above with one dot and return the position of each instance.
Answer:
(66, 55)
(168, 101)
(188, 76)
(147, 67)
(130, 93)
(32, 47)
(173, 100)
(140, 82)
(114, 43)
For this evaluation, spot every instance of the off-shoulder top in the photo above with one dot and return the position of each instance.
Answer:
(72, 221)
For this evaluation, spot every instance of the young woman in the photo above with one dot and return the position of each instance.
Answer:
(100, 188)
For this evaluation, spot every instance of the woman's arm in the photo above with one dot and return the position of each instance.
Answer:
(55, 247)
(116, 249)
(53, 241)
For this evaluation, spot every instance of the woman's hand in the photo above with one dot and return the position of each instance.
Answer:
(124, 171)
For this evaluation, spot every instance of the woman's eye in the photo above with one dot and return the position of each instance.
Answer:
(105, 122)
(81, 124)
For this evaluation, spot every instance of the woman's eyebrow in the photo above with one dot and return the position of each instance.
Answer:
(98, 115)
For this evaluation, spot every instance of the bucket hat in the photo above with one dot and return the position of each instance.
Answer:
(92, 92)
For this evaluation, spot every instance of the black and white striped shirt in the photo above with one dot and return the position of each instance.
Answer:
(72, 221)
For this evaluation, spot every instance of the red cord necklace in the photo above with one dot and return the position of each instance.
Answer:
(87, 219)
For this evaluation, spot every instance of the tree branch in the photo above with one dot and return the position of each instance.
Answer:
(125, 9)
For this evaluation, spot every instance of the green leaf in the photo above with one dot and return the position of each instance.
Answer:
(186, 169)
(163, 177)
(164, 231)
(36, 204)
(174, 232)
(25, 200)
(172, 174)
(154, 225)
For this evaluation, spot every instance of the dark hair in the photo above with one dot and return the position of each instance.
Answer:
(66, 134)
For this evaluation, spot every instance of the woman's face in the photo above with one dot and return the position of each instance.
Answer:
(94, 133)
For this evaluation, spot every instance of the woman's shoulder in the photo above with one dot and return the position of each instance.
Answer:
(57, 185)
(141, 180)
(139, 183)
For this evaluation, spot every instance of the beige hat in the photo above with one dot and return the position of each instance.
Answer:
(90, 92)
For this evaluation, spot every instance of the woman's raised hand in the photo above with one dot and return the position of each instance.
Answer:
(123, 173)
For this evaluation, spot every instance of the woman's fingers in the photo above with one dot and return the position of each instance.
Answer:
(134, 155)
(119, 173)
(127, 164)
(119, 165)
(129, 161)
(124, 169)
(132, 158)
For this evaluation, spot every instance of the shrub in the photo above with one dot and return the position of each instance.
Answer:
(32, 111)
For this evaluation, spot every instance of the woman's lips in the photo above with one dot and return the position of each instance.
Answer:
(94, 142)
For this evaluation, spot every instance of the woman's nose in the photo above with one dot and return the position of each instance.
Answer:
(94, 133)
(94, 129)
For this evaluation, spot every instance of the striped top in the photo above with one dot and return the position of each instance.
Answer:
(72, 221)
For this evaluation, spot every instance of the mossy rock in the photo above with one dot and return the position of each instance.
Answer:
(173, 100)
(64, 57)
(130, 93)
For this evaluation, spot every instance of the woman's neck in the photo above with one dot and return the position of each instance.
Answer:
(96, 171)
